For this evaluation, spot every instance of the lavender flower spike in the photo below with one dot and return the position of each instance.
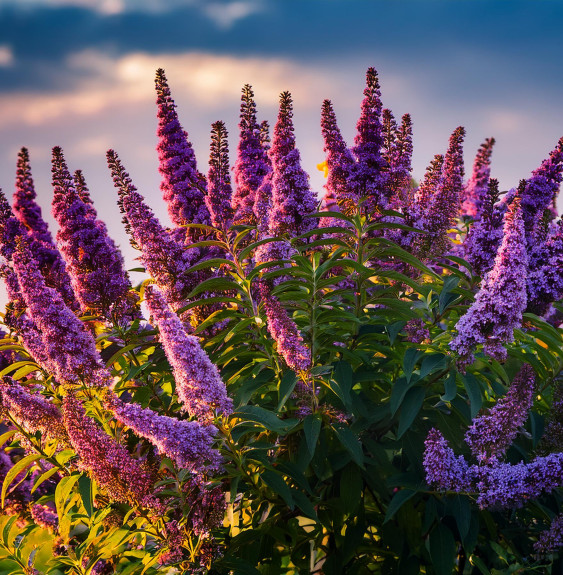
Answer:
(183, 186)
(96, 266)
(339, 159)
(162, 256)
(45, 252)
(285, 333)
(198, 383)
(292, 198)
(189, 443)
(69, 346)
(491, 434)
(252, 164)
(500, 302)
(122, 477)
(33, 412)
(475, 191)
(443, 468)
(219, 191)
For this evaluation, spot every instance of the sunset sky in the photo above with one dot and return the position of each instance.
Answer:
(80, 74)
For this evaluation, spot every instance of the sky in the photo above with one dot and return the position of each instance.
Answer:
(80, 74)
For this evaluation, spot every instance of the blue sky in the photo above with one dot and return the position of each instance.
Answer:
(80, 74)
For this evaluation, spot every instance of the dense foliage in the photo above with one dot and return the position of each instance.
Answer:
(368, 385)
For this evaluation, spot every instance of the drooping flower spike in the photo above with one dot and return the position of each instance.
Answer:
(198, 383)
(163, 258)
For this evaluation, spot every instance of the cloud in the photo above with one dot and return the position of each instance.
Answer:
(6, 56)
(225, 15)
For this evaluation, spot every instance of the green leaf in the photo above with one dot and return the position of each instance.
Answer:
(16, 366)
(5, 437)
(398, 393)
(431, 363)
(480, 564)
(265, 418)
(43, 477)
(312, 429)
(275, 482)
(14, 471)
(286, 387)
(460, 508)
(442, 548)
(397, 502)
(351, 443)
(409, 361)
(85, 488)
(450, 388)
(303, 502)
(351, 484)
(473, 388)
(409, 409)
(446, 297)
(62, 492)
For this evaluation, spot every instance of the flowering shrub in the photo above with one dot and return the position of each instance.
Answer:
(368, 382)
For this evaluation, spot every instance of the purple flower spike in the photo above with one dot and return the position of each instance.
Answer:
(491, 434)
(542, 187)
(164, 259)
(500, 302)
(443, 205)
(69, 346)
(427, 188)
(183, 186)
(485, 235)
(122, 477)
(189, 443)
(370, 175)
(252, 164)
(292, 198)
(95, 264)
(475, 191)
(443, 468)
(198, 383)
(339, 159)
(399, 157)
(285, 333)
(45, 517)
(45, 252)
(219, 191)
(33, 412)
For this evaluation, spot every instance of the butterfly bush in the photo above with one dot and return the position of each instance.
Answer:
(362, 380)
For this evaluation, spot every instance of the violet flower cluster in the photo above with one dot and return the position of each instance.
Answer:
(95, 264)
(475, 191)
(123, 478)
(188, 443)
(198, 383)
(70, 349)
(501, 299)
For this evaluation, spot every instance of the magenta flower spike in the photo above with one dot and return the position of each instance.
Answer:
(284, 332)
(123, 478)
(219, 190)
(183, 186)
(188, 443)
(292, 198)
(340, 162)
(45, 517)
(501, 300)
(542, 188)
(32, 412)
(163, 258)
(69, 346)
(443, 468)
(485, 234)
(252, 164)
(370, 176)
(491, 434)
(95, 264)
(474, 193)
(198, 383)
